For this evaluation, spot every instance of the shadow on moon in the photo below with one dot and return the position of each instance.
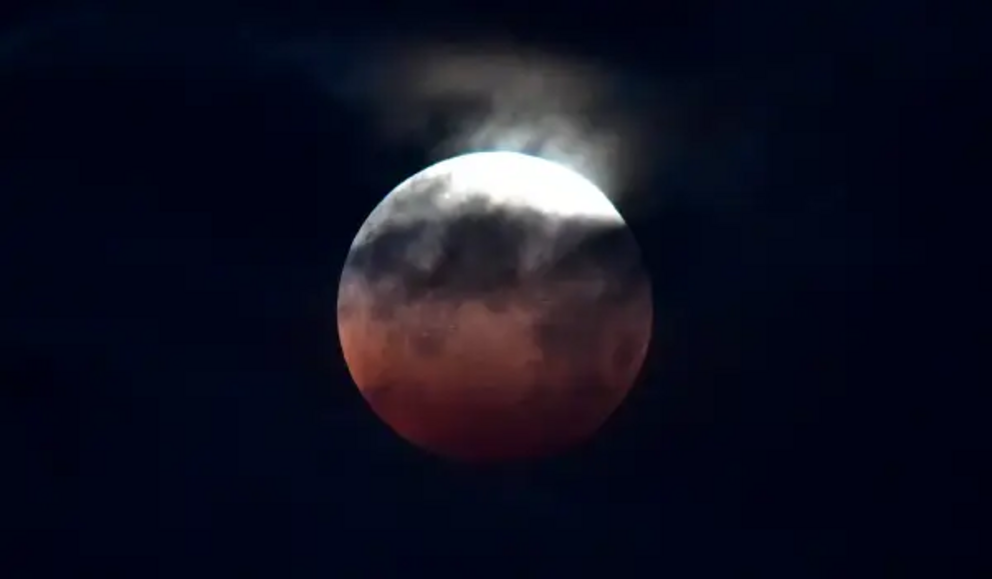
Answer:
(480, 249)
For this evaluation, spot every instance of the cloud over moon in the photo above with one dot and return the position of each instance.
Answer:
(456, 98)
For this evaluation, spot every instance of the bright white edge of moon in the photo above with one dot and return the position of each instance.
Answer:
(504, 178)
(520, 180)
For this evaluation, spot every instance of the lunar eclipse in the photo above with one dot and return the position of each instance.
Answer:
(494, 307)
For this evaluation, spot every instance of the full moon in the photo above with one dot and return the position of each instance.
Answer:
(494, 307)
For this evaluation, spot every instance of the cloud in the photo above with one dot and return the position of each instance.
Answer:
(460, 97)
(408, 252)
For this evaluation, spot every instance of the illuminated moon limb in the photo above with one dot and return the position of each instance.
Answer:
(502, 178)
(525, 181)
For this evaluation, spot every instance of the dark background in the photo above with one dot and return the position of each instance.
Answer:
(176, 209)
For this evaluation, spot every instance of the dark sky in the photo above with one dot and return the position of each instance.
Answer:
(178, 199)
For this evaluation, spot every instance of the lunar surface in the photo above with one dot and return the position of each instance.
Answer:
(494, 307)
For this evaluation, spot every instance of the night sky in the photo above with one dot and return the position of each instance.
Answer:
(180, 186)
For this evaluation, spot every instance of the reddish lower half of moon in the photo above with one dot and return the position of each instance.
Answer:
(470, 383)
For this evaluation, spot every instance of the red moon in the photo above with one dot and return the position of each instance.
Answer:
(494, 307)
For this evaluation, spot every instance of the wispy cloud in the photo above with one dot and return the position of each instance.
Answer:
(455, 98)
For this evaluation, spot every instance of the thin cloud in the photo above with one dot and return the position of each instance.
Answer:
(456, 98)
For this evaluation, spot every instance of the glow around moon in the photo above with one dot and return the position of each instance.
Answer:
(474, 95)
(494, 306)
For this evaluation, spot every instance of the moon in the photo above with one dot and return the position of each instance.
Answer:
(494, 307)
